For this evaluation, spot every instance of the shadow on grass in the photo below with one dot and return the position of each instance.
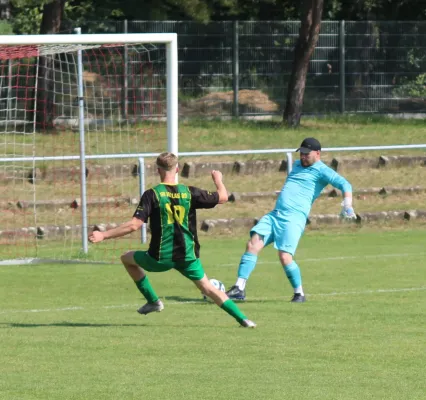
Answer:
(201, 301)
(181, 299)
(63, 324)
(183, 325)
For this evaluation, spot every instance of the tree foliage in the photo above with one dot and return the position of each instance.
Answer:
(384, 10)
(27, 14)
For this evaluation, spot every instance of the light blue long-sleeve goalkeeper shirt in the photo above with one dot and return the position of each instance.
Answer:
(303, 185)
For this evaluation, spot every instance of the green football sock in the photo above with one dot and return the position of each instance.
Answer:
(146, 289)
(232, 309)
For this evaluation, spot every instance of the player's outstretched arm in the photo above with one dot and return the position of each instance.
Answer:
(221, 189)
(128, 227)
(336, 180)
(347, 211)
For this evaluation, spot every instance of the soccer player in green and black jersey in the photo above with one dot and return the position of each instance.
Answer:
(170, 209)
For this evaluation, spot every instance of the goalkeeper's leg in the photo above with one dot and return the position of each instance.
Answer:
(260, 236)
(247, 265)
(249, 259)
(294, 276)
(287, 240)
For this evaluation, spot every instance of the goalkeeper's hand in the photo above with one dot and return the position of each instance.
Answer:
(347, 212)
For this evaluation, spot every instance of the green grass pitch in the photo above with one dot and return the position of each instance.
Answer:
(72, 331)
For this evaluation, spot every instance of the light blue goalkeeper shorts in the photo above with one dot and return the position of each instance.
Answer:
(285, 233)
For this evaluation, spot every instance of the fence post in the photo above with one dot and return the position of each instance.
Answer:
(235, 69)
(342, 67)
(141, 191)
(289, 163)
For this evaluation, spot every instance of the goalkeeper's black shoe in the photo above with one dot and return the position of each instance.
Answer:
(235, 293)
(298, 298)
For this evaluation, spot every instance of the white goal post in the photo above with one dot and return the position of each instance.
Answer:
(118, 91)
(170, 39)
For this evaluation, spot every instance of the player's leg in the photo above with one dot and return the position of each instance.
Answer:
(260, 236)
(224, 302)
(135, 262)
(194, 271)
(294, 276)
(287, 238)
(247, 265)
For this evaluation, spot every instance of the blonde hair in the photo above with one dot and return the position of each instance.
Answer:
(167, 161)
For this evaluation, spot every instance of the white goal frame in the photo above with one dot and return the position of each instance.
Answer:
(168, 39)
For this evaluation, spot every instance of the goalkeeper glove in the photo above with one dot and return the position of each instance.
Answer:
(347, 211)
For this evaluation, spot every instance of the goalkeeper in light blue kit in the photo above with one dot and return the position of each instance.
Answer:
(285, 224)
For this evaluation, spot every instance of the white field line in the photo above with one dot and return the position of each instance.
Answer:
(338, 258)
(79, 308)
(299, 260)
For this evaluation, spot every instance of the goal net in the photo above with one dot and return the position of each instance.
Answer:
(108, 98)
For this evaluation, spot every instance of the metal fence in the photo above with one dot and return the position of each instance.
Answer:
(243, 67)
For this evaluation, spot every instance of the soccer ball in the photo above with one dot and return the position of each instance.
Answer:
(217, 284)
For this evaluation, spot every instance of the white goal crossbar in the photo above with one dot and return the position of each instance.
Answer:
(169, 39)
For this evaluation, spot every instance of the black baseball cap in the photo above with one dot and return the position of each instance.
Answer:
(308, 145)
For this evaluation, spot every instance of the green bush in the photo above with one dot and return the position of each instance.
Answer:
(412, 89)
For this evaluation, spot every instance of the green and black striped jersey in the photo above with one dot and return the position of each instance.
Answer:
(171, 212)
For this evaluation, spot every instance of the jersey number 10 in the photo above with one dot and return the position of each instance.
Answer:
(175, 215)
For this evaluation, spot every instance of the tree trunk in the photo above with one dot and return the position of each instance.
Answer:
(305, 46)
(50, 24)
